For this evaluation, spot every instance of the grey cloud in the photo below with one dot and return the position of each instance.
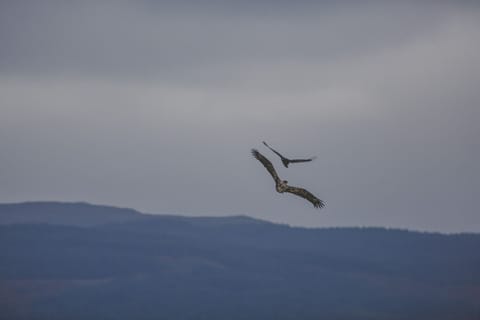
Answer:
(129, 38)
(156, 105)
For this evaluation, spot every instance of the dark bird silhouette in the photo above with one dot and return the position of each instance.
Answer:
(286, 161)
(282, 185)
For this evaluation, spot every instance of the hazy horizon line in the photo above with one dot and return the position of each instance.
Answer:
(192, 215)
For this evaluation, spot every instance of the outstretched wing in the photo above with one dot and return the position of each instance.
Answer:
(267, 164)
(317, 203)
(302, 160)
(278, 154)
(286, 161)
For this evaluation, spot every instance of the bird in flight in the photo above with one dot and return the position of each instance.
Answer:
(282, 185)
(286, 161)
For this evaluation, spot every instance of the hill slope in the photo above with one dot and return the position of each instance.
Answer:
(167, 267)
(64, 213)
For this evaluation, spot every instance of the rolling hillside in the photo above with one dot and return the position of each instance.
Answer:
(80, 261)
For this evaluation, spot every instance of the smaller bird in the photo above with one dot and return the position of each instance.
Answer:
(286, 161)
(282, 185)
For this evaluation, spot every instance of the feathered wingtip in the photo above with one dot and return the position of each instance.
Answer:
(255, 153)
(319, 204)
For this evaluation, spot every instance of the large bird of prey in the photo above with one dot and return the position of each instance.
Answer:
(282, 185)
(286, 161)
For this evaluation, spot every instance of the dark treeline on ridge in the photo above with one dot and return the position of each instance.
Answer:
(81, 261)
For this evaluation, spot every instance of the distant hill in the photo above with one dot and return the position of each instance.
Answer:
(56, 265)
(73, 214)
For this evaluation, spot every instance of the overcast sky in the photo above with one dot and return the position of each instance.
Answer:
(155, 105)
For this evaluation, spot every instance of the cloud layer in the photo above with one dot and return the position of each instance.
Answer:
(155, 105)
